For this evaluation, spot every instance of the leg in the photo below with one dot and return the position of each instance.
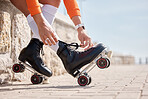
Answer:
(49, 10)
(33, 47)
(21, 5)
(54, 3)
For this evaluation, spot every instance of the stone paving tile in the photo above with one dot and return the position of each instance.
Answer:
(144, 93)
(146, 85)
(61, 97)
(100, 97)
(137, 84)
(145, 89)
(144, 97)
(132, 89)
(107, 93)
(128, 95)
(147, 80)
(113, 88)
(98, 89)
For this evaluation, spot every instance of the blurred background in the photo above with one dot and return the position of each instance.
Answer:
(122, 25)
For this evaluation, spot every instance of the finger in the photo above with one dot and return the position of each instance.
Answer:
(88, 47)
(51, 40)
(49, 36)
(44, 41)
(48, 41)
(82, 43)
(54, 37)
(86, 43)
(90, 43)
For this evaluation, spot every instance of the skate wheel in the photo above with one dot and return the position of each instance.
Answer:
(36, 79)
(18, 68)
(102, 63)
(89, 81)
(108, 62)
(83, 80)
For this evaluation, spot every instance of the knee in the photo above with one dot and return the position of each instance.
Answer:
(55, 3)
(59, 1)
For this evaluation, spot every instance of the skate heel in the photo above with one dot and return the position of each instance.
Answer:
(22, 57)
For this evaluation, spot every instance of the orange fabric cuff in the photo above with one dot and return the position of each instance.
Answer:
(72, 8)
(33, 7)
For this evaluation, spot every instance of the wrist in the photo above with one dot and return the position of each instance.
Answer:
(81, 26)
(80, 29)
(39, 19)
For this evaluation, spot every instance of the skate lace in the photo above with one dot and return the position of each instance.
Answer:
(42, 55)
(71, 47)
(82, 54)
(42, 51)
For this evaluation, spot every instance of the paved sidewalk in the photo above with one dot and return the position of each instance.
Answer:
(116, 82)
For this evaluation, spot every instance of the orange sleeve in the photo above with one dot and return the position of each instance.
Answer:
(72, 8)
(33, 7)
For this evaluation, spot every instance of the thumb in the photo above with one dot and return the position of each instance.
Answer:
(82, 43)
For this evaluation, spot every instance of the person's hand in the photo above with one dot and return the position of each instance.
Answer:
(45, 30)
(84, 39)
(47, 35)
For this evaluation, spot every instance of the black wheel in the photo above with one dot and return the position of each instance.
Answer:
(18, 68)
(89, 81)
(108, 62)
(102, 63)
(83, 80)
(41, 79)
(22, 68)
(36, 79)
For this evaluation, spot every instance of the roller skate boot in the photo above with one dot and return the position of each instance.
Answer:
(74, 60)
(31, 54)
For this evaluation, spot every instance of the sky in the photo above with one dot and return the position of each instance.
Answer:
(122, 25)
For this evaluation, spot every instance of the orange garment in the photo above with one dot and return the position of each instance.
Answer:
(33, 7)
(71, 6)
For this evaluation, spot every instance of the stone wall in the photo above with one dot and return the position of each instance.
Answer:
(15, 34)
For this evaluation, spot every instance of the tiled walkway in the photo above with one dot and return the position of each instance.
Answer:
(115, 82)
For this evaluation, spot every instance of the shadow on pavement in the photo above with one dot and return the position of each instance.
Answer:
(11, 87)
